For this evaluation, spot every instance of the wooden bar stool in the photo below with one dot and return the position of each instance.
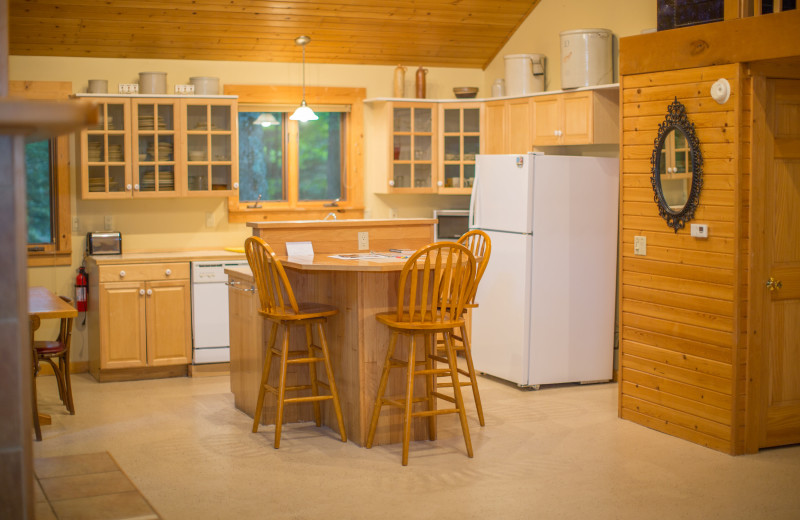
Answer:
(56, 353)
(279, 306)
(432, 291)
(480, 245)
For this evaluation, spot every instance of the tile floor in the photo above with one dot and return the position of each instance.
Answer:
(560, 452)
(87, 486)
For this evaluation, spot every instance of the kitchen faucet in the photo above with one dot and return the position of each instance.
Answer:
(331, 214)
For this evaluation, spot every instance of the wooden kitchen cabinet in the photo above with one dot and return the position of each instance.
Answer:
(412, 147)
(459, 142)
(508, 126)
(584, 117)
(139, 320)
(160, 146)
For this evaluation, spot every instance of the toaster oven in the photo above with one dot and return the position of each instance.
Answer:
(103, 243)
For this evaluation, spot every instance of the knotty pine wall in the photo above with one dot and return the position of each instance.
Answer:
(683, 305)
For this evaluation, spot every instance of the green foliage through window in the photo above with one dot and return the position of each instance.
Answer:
(260, 158)
(38, 161)
(321, 158)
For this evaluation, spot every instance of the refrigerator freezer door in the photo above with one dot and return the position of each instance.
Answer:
(503, 193)
(500, 323)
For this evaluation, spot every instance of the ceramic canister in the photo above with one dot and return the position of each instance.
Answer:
(98, 86)
(152, 83)
(205, 85)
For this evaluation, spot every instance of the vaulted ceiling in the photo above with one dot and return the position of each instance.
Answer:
(445, 33)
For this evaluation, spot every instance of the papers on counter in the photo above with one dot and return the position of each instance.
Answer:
(371, 256)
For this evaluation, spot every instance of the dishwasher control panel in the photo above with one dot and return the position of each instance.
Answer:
(213, 272)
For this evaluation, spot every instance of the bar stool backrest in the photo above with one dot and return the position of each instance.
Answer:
(274, 290)
(435, 283)
(480, 245)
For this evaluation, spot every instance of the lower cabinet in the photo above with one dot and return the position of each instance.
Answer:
(140, 318)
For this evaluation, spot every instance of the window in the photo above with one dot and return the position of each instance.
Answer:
(288, 167)
(47, 169)
(316, 161)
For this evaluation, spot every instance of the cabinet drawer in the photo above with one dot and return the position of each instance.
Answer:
(144, 272)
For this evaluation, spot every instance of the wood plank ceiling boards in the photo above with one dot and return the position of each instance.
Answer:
(445, 33)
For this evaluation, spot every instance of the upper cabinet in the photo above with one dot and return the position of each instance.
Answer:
(412, 151)
(153, 147)
(459, 141)
(584, 117)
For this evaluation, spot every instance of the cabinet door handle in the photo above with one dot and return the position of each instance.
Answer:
(235, 185)
(136, 187)
(440, 184)
(141, 292)
(122, 274)
(168, 272)
(149, 292)
(128, 187)
(391, 183)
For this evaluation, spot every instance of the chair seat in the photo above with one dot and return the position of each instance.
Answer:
(416, 323)
(49, 348)
(305, 311)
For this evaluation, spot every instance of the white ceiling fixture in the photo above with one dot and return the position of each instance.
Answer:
(303, 112)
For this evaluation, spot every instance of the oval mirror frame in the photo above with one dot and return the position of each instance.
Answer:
(676, 120)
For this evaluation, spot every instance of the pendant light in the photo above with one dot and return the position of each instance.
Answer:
(266, 120)
(303, 112)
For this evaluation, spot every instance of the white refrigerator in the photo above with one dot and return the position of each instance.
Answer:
(546, 302)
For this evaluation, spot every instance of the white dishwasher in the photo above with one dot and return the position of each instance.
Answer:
(210, 337)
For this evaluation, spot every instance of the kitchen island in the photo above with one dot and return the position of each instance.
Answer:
(359, 289)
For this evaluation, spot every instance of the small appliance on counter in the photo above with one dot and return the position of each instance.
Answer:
(103, 243)
(450, 224)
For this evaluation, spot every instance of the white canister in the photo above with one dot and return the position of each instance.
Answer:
(98, 86)
(586, 58)
(499, 88)
(152, 83)
(205, 85)
(524, 74)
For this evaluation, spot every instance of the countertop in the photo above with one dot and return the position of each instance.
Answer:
(343, 223)
(165, 256)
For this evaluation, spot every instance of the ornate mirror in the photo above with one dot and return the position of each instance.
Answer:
(677, 168)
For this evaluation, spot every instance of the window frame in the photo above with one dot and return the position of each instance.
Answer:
(59, 252)
(353, 136)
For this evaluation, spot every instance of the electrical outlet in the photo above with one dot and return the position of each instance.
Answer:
(363, 240)
(640, 246)
(75, 224)
(184, 89)
(393, 213)
(700, 230)
(128, 88)
(210, 220)
(108, 223)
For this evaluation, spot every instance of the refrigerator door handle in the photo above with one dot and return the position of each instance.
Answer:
(473, 200)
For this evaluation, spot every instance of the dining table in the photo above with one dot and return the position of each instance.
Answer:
(46, 305)
(360, 287)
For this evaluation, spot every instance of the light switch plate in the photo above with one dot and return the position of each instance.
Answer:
(640, 246)
(108, 222)
(700, 230)
(184, 89)
(363, 240)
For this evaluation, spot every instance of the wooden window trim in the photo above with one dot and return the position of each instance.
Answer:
(60, 252)
(353, 207)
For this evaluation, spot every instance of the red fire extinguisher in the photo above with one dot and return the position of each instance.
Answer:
(81, 289)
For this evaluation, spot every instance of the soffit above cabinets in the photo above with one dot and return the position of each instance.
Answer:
(444, 33)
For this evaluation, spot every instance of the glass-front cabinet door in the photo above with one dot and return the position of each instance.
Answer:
(105, 152)
(460, 142)
(155, 147)
(211, 147)
(412, 147)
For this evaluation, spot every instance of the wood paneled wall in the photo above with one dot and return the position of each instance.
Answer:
(683, 305)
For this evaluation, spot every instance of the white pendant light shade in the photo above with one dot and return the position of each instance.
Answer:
(266, 120)
(303, 112)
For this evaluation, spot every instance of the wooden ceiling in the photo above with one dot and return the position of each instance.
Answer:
(445, 33)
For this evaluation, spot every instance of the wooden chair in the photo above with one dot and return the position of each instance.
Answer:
(434, 286)
(279, 306)
(37, 429)
(480, 245)
(57, 354)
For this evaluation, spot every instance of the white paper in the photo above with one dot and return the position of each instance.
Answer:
(299, 250)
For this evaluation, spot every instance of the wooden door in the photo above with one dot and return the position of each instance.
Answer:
(169, 334)
(776, 269)
(546, 120)
(578, 124)
(519, 126)
(495, 127)
(122, 326)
